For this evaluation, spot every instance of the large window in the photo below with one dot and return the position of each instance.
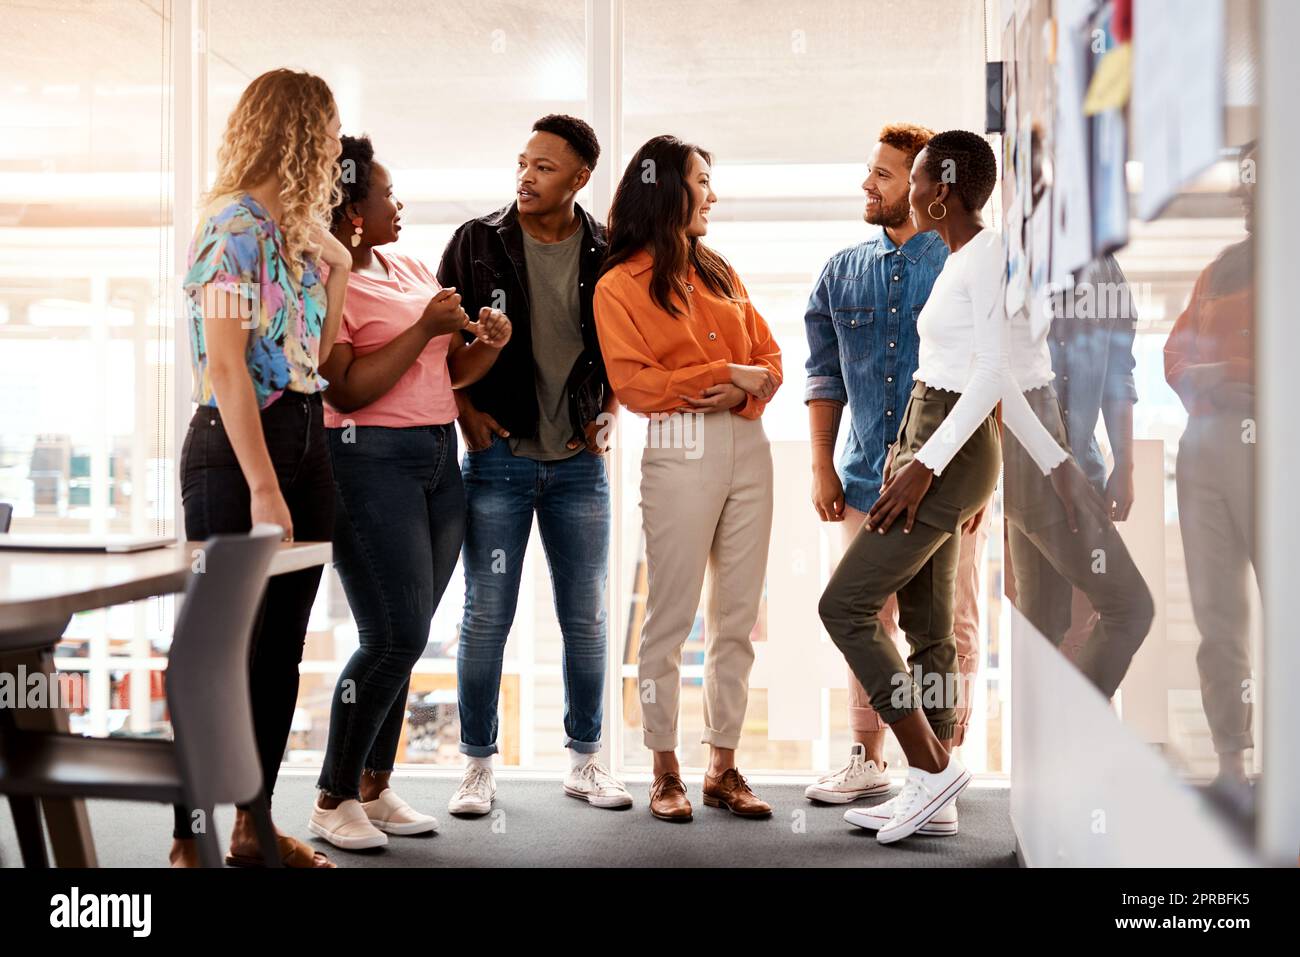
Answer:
(448, 95)
(86, 341)
(787, 95)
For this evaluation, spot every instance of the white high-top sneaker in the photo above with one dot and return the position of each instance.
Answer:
(594, 784)
(943, 824)
(478, 788)
(858, 779)
(923, 796)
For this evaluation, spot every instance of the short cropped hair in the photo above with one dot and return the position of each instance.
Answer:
(905, 137)
(577, 133)
(965, 161)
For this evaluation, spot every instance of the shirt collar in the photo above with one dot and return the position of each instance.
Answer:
(913, 249)
(640, 262)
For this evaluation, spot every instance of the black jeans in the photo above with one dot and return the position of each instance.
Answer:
(216, 500)
(397, 534)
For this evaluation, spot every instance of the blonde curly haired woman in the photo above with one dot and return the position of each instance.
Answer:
(261, 323)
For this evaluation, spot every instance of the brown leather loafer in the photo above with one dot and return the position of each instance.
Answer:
(731, 791)
(668, 798)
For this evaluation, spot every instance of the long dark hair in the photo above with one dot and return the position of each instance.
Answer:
(651, 208)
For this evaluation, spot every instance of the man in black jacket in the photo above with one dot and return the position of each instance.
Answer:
(533, 429)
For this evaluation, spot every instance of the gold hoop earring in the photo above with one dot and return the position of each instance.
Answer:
(930, 210)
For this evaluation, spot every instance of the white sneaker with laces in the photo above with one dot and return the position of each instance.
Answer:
(595, 785)
(943, 824)
(923, 796)
(392, 815)
(346, 826)
(477, 791)
(858, 779)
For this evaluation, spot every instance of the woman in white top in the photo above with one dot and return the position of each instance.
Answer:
(940, 472)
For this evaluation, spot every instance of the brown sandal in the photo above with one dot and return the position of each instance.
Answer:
(293, 853)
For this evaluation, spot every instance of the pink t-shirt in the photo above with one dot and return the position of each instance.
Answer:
(377, 311)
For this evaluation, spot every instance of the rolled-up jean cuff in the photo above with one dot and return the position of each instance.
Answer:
(943, 730)
(582, 747)
(325, 782)
(478, 750)
(660, 740)
(895, 715)
(958, 734)
(719, 740)
(865, 720)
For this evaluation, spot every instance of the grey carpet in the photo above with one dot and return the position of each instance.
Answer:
(535, 824)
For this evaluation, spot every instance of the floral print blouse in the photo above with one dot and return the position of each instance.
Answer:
(239, 249)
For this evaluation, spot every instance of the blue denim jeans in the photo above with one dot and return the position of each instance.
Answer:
(400, 521)
(571, 501)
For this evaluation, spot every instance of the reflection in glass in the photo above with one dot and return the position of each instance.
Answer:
(1210, 363)
(1066, 553)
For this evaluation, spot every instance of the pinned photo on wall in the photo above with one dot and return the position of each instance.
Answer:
(1108, 145)
(1178, 96)
(1040, 272)
(1071, 197)
(1009, 139)
(1038, 240)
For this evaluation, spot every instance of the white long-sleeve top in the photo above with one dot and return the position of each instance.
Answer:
(968, 346)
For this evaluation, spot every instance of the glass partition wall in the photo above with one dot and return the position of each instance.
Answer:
(1162, 325)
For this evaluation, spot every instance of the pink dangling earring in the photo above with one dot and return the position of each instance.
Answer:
(356, 233)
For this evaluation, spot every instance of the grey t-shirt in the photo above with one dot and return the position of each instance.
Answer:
(555, 318)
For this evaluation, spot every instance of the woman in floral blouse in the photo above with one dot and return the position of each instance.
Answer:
(261, 323)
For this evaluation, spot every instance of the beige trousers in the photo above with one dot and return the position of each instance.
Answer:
(706, 507)
(1216, 512)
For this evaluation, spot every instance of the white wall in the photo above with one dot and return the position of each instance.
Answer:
(1279, 345)
(1085, 791)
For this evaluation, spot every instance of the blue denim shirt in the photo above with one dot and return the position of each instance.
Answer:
(862, 346)
(1091, 342)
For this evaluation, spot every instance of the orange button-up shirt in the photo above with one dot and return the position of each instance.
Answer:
(653, 357)
(1218, 325)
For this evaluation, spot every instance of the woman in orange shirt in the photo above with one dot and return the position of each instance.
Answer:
(684, 346)
(1210, 363)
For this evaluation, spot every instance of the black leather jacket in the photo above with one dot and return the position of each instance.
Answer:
(485, 262)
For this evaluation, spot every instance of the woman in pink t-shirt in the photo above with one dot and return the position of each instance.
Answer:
(405, 343)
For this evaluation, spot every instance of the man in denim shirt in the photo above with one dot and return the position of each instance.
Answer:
(862, 338)
(1091, 342)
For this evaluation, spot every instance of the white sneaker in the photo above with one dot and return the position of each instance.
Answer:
(346, 826)
(478, 789)
(943, 824)
(923, 796)
(857, 779)
(593, 784)
(392, 815)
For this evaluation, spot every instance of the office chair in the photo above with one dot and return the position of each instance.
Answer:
(213, 758)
